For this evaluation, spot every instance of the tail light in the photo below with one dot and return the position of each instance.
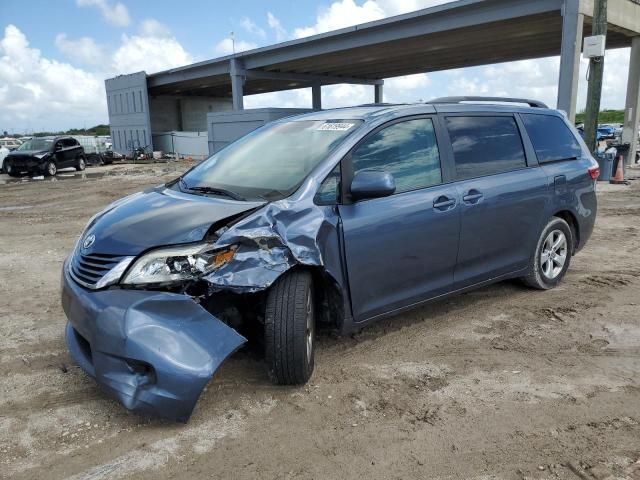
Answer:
(594, 172)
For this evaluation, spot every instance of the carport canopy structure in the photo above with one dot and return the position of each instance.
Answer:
(454, 35)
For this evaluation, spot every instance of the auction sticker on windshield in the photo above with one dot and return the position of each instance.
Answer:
(335, 126)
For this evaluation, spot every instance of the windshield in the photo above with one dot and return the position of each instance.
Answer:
(271, 162)
(36, 144)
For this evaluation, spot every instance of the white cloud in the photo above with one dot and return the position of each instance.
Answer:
(407, 89)
(342, 13)
(38, 93)
(226, 46)
(614, 82)
(115, 14)
(151, 54)
(299, 98)
(153, 28)
(251, 27)
(276, 26)
(82, 50)
(397, 7)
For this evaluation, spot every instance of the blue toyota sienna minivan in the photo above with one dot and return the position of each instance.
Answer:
(335, 218)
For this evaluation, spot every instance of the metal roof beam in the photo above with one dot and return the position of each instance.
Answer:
(306, 77)
(458, 15)
(180, 75)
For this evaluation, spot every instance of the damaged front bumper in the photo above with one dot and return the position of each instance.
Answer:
(154, 351)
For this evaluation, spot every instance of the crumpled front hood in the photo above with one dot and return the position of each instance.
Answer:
(156, 218)
(28, 153)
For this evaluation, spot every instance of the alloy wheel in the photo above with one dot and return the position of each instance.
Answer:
(554, 254)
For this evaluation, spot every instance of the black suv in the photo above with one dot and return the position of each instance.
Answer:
(41, 155)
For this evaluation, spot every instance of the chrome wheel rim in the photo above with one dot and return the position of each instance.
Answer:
(310, 327)
(52, 169)
(554, 254)
(81, 164)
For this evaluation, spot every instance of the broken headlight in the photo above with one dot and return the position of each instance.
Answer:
(175, 264)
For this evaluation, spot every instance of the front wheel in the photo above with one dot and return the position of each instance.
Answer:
(11, 171)
(552, 256)
(289, 329)
(50, 168)
(81, 164)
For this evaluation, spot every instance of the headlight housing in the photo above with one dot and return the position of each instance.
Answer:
(176, 264)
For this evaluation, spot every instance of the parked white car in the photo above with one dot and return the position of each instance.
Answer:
(4, 151)
(10, 143)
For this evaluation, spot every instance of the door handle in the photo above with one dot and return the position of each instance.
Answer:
(472, 196)
(443, 202)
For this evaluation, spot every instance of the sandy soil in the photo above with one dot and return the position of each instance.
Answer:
(503, 382)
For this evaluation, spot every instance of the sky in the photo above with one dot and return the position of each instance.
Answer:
(55, 55)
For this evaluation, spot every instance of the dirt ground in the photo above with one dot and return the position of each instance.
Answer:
(503, 382)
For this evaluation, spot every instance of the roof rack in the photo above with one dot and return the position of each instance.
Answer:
(383, 104)
(531, 103)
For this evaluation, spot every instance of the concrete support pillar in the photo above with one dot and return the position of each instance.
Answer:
(316, 97)
(632, 104)
(572, 24)
(377, 93)
(236, 70)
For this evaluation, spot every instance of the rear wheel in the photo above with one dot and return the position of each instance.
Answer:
(552, 256)
(81, 164)
(290, 329)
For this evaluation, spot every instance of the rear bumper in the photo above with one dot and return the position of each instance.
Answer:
(153, 351)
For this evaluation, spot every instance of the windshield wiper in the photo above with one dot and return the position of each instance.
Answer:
(278, 194)
(214, 191)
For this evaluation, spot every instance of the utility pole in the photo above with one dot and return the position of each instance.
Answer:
(596, 68)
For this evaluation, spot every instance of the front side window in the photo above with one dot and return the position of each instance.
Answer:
(485, 145)
(270, 163)
(551, 138)
(329, 191)
(408, 150)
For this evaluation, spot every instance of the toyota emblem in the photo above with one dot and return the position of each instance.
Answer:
(88, 241)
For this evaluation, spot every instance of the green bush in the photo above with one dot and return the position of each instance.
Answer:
(605, 116)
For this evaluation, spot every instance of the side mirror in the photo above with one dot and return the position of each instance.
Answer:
(372, 184)
(58, 147)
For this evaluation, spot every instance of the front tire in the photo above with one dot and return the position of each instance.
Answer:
(11, 171)
(289, 329)
(50, 169)
(552, 256)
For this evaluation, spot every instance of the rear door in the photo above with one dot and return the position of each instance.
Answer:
(71, 152)
(400, 249)
(502, 194)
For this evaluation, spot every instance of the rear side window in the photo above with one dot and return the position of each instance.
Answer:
(408, 150)
(552, 140)
(485, 145)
